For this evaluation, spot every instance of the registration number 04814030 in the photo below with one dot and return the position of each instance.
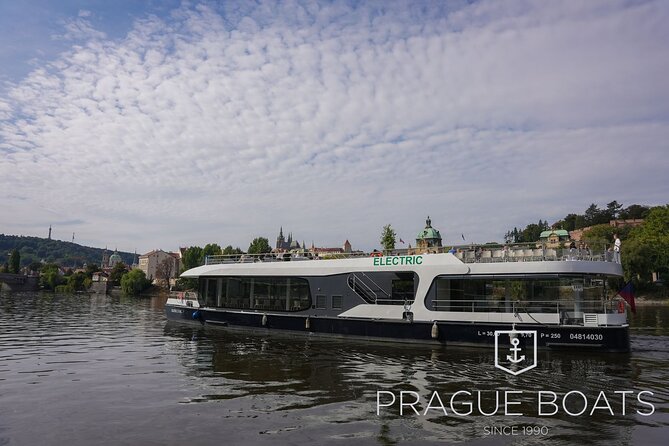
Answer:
(586, 336)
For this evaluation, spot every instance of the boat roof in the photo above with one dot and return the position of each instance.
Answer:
(429, 264)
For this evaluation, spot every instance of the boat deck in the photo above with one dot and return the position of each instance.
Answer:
(488, 253)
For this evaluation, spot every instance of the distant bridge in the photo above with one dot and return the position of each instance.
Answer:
(18, 282)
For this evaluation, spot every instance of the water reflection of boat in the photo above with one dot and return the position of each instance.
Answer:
(443, 298)
(337, 380)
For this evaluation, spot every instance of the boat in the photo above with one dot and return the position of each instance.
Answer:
(461, 297)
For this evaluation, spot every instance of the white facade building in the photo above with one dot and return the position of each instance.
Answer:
(150, 262)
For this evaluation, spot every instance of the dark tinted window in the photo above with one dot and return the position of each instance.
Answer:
(259, 293)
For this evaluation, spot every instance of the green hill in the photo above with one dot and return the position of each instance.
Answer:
(35, 249)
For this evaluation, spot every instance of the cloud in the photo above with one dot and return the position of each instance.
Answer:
(79, 28)
(332, 120)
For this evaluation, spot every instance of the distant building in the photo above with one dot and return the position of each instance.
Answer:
(105, 259)
(626, 223)
(182, 252)
(150, 262)
(100, 276)
(100, 283)
(286, 244)
(428, 237)
(114, 259)
(345, 249)
(289, 244)
(554, 238)
(109, 261)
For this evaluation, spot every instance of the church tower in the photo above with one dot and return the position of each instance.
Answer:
(428, 237)
(280, 240)
(105, 259)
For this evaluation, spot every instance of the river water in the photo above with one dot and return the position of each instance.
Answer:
(83, 370)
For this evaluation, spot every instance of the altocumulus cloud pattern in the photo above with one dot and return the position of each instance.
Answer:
(220, 122)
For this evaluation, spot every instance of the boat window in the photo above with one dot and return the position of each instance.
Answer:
(403, 287)
(202, 291)
(321, 302)
(222, 293)
(257, 293)
(212, 289)
(528, 294)
(384, 287)
(337, 302)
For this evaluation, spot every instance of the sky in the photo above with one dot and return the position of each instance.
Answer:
(159, 124)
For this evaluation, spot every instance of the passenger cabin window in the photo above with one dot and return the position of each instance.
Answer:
(403, 287)
(526, 294)
(256, 293)
(212, 290)
(337, 302)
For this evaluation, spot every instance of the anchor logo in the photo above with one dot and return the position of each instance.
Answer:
(515, 359)
(515, 349)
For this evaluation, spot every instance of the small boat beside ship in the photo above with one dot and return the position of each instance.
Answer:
(451, 298)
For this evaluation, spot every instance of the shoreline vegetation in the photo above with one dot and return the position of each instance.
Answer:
(643, 230)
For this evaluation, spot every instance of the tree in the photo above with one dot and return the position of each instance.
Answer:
(613, 210)
(639, 259)
(50, 277)
(78, 281)
(35, 267)
(192, 257)
(388, 237)
(595, 216)
(117, 272)
(646, 249)
(134, 282)
(532, 231)
(92, 268)
(634, 211)
(211, 249)
(165, 270)
(15, 262)
(656, 223)
(512, 236)
(600, 234)
(569, 222)
(229, 250)
(580, 222)
(259, 245)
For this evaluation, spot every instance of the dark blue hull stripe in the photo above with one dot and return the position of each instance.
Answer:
(611, 338)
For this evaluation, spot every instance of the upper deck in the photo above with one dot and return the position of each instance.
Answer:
(470, 259)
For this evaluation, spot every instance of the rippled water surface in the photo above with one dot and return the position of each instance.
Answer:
(82, 370)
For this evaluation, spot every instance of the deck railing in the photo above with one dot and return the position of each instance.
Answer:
(488, 253)
(544, 306)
